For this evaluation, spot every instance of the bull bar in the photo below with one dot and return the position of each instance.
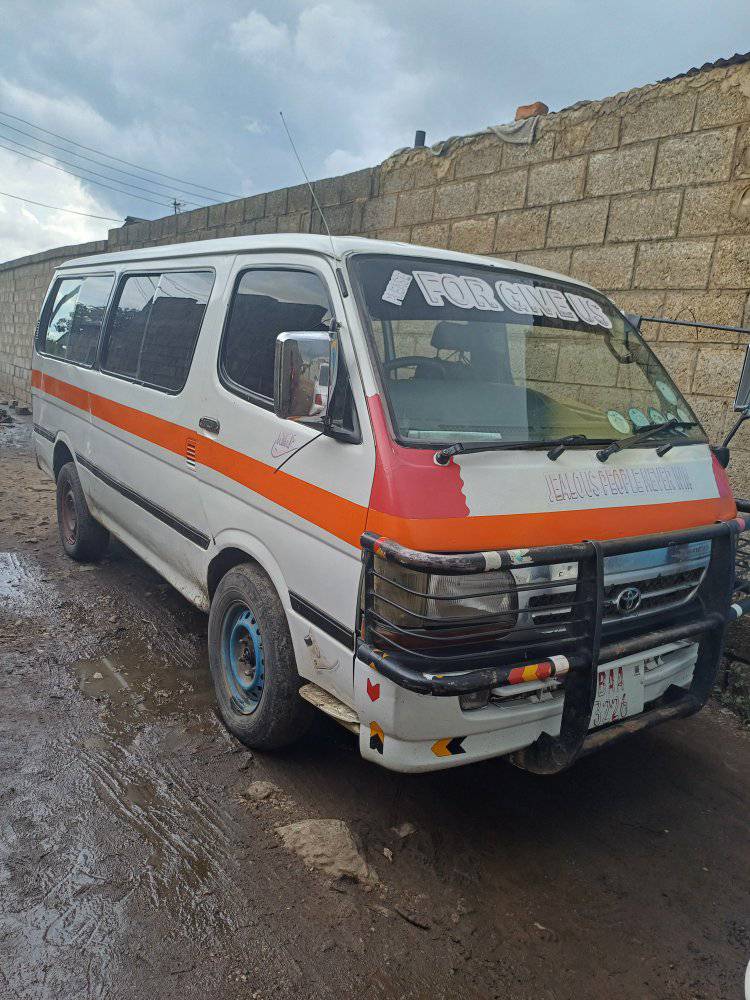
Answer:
(574, 654)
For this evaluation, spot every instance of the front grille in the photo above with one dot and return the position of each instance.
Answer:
(661, 590)
(661, 593)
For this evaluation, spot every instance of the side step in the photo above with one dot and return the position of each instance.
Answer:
(327, 703)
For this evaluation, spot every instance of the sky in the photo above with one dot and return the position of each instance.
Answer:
(193, 90)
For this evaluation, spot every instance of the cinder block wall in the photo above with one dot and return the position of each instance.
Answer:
(645, 195)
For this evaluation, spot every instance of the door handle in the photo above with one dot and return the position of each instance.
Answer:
(209, 424)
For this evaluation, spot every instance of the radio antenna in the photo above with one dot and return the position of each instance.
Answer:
(307, 181)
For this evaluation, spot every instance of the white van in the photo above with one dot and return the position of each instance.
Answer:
(499, 530)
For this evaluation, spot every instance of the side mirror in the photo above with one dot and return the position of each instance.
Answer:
(742, 399)
(304, 373)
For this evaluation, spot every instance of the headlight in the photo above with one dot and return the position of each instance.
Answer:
(410, 599)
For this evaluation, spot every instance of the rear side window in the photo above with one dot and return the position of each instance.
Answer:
(154, 327)
(73, 320)
(266, 303)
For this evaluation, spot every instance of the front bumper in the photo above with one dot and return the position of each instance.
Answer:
(546, 737)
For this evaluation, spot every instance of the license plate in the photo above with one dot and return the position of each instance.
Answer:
(619, 693)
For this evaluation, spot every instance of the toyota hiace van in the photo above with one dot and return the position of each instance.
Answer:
(455, 502)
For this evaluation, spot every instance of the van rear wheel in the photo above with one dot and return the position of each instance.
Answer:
(252, 662)
(83, 538)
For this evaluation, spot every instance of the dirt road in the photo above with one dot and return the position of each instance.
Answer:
(132, 864)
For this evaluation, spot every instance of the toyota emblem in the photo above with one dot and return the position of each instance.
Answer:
(628, 600)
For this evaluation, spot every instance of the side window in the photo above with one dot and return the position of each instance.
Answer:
(155, 326)
(70, 329)
(266, 303)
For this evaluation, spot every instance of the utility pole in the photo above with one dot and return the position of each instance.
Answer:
(177, 206)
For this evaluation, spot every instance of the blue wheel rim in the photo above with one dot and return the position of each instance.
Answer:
(242, 658)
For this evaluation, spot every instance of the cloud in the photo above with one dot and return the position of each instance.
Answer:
(254, 126)
(26, 228)
(259, 38)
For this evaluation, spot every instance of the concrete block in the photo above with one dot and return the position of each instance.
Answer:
(436, 234)
(398, 179)
(578, 223)
(537, 152)
(642, 303)
(356, 185)
(724, 308)
(339, 219)
(503, 191)
(547, 260)
(328, 191)
(607, 267)
(268, 224)
(561, 180)
(717, 370)
(379, 213)
(602, 132)
(276, 202)
(693, 158)
(619, 171)
(452, 201)
(712, 413)
(731, 267)
(473, 235)
(716, 208)
(217, 214)
(674, 264)
(298, 198)
(726, 102)
(662, 115)
(415, 206)
(644, 216)
(289, 223)
(523, 230)
(479, 159)
(255, 207)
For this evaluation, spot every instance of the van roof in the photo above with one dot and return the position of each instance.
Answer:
(343, 246)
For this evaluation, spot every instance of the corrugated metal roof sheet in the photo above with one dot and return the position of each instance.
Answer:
(734, 60)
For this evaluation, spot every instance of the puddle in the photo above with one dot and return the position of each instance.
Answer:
(137, 681)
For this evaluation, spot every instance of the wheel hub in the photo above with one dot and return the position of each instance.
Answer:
(243, 660)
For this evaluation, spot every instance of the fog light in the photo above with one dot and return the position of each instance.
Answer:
(474, 700)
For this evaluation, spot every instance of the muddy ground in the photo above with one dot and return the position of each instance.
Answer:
(132, 865)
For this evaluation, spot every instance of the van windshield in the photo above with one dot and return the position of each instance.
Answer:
(473, 353)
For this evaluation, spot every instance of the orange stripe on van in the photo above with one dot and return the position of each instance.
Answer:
(510, 531)
(346, 519)
(334, 514)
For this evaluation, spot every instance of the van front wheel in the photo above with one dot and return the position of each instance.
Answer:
(83, 538)
(252, 662)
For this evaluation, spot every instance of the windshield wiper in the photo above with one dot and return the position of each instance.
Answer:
(643, 434)
(444, 456)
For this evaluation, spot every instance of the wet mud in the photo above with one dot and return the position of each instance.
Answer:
(136, 860)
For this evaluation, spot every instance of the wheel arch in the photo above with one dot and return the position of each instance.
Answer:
(62, 453)
(235, 548)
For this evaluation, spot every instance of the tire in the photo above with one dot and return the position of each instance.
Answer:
(83, 538)
(253, 664)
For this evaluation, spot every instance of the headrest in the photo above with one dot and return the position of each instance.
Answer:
(449, 336)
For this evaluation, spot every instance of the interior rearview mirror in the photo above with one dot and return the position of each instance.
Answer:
(304, 374)
(742, 399)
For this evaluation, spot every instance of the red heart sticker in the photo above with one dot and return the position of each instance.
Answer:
(373, 690)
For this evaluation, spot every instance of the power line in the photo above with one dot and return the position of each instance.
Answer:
(116, 180)
(82, 156)
(56, 208)
(117, 159)
(53, 166)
